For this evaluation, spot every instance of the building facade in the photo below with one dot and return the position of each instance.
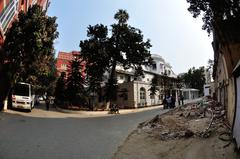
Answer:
(208, 88)
(9, 10)
(159, 67)
(190, 93)
(63, 62)
(135, 92)
(226, 73)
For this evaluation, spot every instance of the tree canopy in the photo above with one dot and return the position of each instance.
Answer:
(103, 51)
(194, 78)
(59, 92)
(75, 81)
(121, 16)
(29, 45)
(154, 85)
(28, 51)
(214, 12)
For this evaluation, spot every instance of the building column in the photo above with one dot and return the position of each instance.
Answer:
(5, 104)
(189, 95)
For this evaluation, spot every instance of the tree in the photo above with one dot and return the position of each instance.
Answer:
(75, 81)
(124, 46)
(164, 84)
(210, 68)
(122, 16)
(154, 85)
(59, 92)
(210, 64)
(28, 48)
(167, 83)
(220, 17)
(179, 82)
(43, 75)
(195, 78)
(215, 12)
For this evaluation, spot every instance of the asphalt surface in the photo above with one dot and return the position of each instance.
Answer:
(27, 137)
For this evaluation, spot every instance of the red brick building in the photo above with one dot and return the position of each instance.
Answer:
(9, 10)
(64, 60)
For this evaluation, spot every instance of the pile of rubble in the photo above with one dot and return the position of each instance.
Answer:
(192, 120)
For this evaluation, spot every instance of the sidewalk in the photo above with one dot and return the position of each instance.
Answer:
(40, 112)
(121, 111)
(105, 112)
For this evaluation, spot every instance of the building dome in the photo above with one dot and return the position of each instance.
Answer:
(157, 58)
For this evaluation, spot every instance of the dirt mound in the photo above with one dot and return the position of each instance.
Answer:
(196, 119)
(196, 130)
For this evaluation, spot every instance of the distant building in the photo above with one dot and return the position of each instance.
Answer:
(208, 88)
(160, 66)
(64, 61)
(134, 92)
(207, 74)
(9, 10)
(186, 90)
(190, 93)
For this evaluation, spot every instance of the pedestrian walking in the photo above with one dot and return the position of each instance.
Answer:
(182, 98)
(179, 100)
(169, 100)
(173, 101)
(164, 103)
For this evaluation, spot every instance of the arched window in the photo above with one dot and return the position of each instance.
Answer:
(142, 93)
(154, 65)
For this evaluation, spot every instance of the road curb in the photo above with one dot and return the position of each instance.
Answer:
(80, 112)
(122, 111)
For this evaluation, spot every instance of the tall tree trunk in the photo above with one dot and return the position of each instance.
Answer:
(5, 86)
(111, 88)
(6, 83)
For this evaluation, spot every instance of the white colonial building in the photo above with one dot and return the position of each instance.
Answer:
(134, 92)
(159, 67)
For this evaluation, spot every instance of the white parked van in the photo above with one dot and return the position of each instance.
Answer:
(23, 96)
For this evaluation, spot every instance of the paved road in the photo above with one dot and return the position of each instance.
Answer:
(24, 137)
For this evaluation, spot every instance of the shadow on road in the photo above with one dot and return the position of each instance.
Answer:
(42, 106)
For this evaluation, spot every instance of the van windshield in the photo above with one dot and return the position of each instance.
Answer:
(21, 90)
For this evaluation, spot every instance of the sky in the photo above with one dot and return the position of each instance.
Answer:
(174, 33)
